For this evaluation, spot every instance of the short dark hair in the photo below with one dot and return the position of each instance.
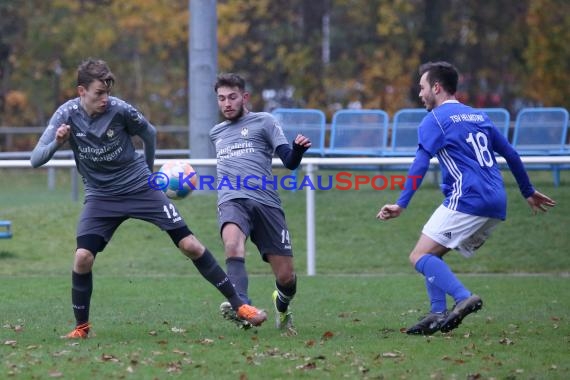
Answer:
(91, 70)
(229, 80)
(443, 72)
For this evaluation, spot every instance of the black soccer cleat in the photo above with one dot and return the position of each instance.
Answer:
(469, 305)
(428, 325)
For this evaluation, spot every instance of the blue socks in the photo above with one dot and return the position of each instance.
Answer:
(436, 297)
(440, 281)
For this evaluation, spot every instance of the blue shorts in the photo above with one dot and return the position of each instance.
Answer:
(264, 224)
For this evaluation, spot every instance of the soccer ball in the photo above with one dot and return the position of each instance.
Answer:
(178, 179)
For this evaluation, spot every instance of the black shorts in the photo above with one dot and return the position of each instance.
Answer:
(265, 225)
(102, 215)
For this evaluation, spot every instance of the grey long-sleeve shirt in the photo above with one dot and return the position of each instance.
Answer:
(102, 146)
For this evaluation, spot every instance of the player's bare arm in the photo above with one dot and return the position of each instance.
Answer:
(540, 202)
(389, 212)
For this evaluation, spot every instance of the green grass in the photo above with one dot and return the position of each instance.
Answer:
(155, 318)
(349, 327)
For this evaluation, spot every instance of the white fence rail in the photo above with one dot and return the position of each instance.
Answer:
(309, 165)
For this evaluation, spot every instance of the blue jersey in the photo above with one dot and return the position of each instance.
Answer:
(464, 141)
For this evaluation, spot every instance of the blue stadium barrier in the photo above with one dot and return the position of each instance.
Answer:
(358, 133)
(308, 122)
(542, 131)
(6, 232)
(500, 117)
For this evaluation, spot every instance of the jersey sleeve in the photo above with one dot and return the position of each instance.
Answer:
(47, 144)
(505, 149)
(416, 174)
(137, 124)
(275, 133)
(430, 134)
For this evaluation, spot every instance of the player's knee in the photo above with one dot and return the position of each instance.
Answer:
(285, 277)
(83, 261)
(415, 257)
(191, 247)
(234, 249)
(284, 271)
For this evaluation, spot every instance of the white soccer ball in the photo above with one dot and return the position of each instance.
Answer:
(178, 179)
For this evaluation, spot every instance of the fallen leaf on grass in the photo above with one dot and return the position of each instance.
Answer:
(310, 343)
(457, 361)
(16, 328)
(61, 353)
(391, 355)
(310, 365)
(206, 341)
(174, 367)
(109, 358)
(10, 343)
(327, 335)
(506, 341)
(55, 374)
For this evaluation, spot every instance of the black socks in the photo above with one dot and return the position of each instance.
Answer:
(81, 289)
(211, 270)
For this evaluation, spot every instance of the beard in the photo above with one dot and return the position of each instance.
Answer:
(237, 116)
(429, 103)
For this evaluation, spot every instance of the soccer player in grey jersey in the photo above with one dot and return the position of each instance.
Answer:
(99, 129)
(248, 201)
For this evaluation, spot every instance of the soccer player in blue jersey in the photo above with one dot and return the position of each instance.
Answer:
(464, 141)
(99, 128)
(245, 143)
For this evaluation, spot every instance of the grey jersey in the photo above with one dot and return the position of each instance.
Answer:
(244, 150)
(102, 146)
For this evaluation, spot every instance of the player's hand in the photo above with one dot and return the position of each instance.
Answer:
(62, 133)
(303, 141)
(539, 202)
(389, 212)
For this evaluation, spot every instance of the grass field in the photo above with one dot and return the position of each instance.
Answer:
(156, 318)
